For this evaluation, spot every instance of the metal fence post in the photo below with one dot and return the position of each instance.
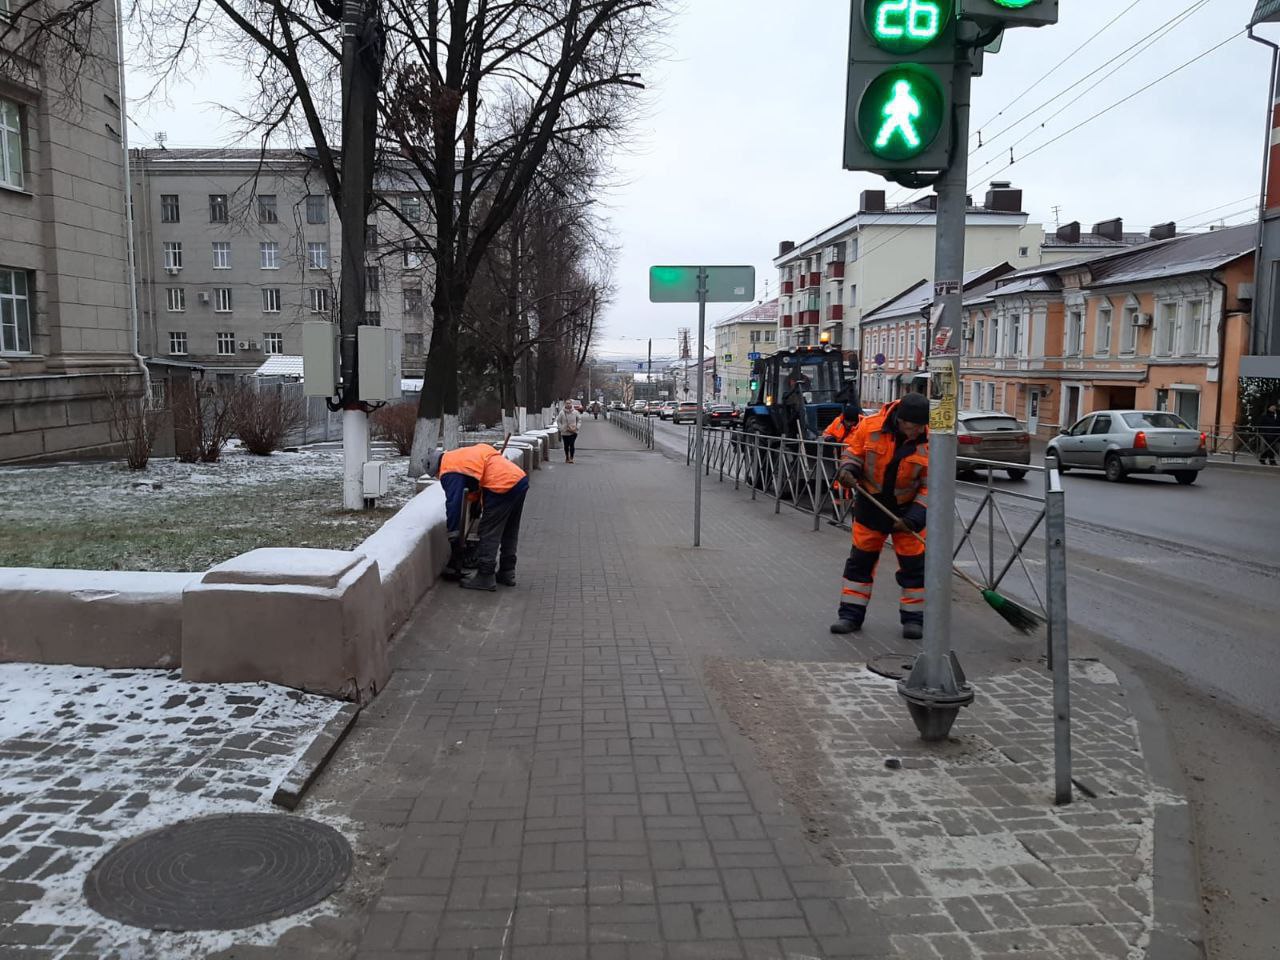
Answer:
(1059, 654)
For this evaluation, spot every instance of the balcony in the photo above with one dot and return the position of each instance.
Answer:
(815, 278)
(802, 282)
(810, 318)
(788, 287)
(835, 271)
(835, 312)
(786, 320)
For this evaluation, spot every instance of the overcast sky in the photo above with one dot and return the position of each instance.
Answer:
(740, 146)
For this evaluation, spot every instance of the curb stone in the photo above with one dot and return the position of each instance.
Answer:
(313, 760)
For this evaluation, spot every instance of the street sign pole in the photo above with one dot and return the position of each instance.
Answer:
(936, 688)
(697, 476)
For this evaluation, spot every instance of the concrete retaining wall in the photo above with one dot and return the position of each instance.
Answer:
(410, 550)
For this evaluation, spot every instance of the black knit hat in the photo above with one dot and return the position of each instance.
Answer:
(914, 408)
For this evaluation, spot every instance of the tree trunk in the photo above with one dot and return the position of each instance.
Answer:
(438, 406)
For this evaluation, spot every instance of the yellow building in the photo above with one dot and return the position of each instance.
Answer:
(754, 330)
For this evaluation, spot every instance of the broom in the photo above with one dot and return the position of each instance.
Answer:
(1013, 613)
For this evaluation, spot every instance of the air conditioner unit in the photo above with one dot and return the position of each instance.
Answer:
(172, 271)
(202, 297)
(1142, 320)
(243, 345)
(253, 344)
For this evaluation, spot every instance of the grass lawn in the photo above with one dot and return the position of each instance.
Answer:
(179, 516)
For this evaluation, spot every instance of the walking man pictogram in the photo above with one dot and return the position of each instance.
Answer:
(900, 114)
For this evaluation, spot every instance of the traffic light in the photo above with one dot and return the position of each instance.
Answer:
(1010, 13)
(901, 60)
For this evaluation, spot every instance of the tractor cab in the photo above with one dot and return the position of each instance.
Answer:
(797, 392)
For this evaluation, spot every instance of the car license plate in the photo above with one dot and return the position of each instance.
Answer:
(1174, 461)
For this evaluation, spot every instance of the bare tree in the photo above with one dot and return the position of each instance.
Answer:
(134, 423)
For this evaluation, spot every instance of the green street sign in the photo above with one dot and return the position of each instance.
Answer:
(905, 26)
(902, 112)
(679, 284)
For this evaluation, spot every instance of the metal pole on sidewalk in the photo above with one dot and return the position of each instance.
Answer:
(1059, 652)
(936, 688)
(698, 453)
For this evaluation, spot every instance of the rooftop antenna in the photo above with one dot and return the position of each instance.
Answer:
(161, 137)
(1057, 216)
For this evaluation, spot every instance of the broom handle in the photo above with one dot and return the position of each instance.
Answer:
(895, 518)
(504, 444)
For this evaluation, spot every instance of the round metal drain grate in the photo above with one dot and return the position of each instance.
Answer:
(219, 873)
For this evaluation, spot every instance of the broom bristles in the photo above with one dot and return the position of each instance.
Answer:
(1013, 613)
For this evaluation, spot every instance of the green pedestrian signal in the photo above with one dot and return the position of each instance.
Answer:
(902, 57)
(1010, 13)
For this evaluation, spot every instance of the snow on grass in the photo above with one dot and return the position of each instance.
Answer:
(183, 516)
(91, 757)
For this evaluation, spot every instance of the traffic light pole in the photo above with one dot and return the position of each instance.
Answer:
(936, 689)
(697, 475)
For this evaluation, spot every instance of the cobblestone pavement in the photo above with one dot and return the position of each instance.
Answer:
(90, 757)
(957, 846)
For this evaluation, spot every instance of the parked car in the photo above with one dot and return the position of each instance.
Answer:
(984, 435)
(719, 415)
(639, 406)
(1121, 442)
(667, 409)
(685, 413)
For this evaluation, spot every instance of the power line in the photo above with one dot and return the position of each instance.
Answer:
(1252, 210)
(1054, 69)
(1229, 203)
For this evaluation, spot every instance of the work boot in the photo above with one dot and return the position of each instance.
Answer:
(846, 626)
(480, 581)
(452, 573)
(913, 631)
(507, 578)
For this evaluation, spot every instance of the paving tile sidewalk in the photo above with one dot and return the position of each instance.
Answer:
(559, 770)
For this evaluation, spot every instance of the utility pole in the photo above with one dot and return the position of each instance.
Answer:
(698, 425)
(650, 377)
(936, 688)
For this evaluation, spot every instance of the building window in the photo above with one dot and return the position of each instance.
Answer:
(269, 255)
(411, 207)
(1166, 336)
(319, 299)
(226, 344)
(222, 255)
(177, 299)
(1075, 334)
(222, 300)
(169, 208)
(370, 235)
(1015, 335)
(218, 208)
(1024, 251)
(172, 255)
(980, 337)
(177, 343)
(1192, 329)
(413, 344)
(993, 338)
(15, 312)
(1103, 345)
(372, 282)
(10, 143)
(267, 208)
(413, 301)
(317, 256)
(1129, 332)
(372, 318)
(270, 299)
(412, 258)
(273, 343)
(317, 208)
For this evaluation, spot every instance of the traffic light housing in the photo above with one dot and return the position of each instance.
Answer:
(1010, 13)
(898, 116)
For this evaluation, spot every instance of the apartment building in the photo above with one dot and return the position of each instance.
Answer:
(752, 331)
(236, 248)
(66, 327)
(830, 280)
(1162, 326)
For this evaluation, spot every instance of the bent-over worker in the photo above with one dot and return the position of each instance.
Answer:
(501, 485)
(888, 458)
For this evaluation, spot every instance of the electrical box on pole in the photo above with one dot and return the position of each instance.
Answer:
(1010, 13)
(898, 112)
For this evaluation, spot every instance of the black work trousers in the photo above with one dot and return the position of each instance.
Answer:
(500, 530)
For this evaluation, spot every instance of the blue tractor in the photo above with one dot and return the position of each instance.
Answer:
(797, 392)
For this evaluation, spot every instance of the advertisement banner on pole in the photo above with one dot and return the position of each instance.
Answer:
(943, 396)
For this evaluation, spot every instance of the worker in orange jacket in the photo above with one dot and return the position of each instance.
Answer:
(888, 458)
(502, 486)
(841, 430)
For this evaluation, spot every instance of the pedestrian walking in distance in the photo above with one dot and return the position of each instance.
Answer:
(1269, 434)
(501, 485)
(887, 458)
(568, 423)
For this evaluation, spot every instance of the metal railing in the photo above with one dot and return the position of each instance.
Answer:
(1248, 442)
(801, 474)
(639, 427)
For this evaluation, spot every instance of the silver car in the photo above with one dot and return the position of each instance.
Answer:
(985, 435)
(1121, 442)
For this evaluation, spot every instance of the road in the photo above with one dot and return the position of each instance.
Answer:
(1182, 585)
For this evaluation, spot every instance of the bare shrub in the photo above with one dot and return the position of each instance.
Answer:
(202, 421)
(134, 424)
(262, 419)
(396, 423)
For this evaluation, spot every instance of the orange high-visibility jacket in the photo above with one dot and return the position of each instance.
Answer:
(483, 464)
(871, 449)
(839, 431)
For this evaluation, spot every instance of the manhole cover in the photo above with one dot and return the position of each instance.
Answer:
(895, 666)
(219, 873)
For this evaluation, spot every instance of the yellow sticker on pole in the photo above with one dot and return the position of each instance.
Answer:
(943, 395)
